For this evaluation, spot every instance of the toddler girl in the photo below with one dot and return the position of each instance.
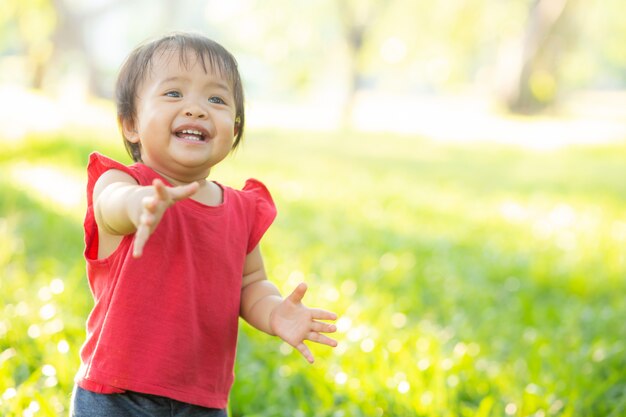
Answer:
(173, 259)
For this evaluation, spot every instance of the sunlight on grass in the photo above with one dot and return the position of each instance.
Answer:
(70, 110)
(53, 186)
(470, 280)
(474, 118)
(592, 118)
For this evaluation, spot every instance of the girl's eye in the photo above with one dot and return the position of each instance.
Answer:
(175, 94)
(216, 100)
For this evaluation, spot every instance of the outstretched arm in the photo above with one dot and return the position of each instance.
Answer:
(122, 207)
(263, 307)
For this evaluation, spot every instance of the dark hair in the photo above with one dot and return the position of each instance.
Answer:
(139, 63)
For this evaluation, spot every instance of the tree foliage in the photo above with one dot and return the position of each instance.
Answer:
(26, 29)
(527, 52)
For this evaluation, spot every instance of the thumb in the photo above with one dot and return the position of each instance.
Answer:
(298, 294)
(184, 191)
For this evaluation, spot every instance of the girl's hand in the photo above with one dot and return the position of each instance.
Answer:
(294, 323)
(154, 207)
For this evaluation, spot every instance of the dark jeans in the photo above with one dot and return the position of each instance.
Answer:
(133, 404)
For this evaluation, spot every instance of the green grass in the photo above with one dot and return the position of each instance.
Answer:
(472, 279)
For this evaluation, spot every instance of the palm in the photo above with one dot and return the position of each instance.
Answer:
(293, 322)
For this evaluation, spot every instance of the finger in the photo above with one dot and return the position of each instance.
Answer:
(319, 314)
(321, 339)
(188, 190)
(297, 294)
(184, 191)
(147, 217)
(323, 327)
(304, 350)
(160, 190)
(141, 236)
(143, 230)
(150, 204)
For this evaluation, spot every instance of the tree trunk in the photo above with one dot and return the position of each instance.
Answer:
(533, 85)
(356, 18)
(69, 37)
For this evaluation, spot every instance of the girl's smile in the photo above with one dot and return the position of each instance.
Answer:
(192, 133)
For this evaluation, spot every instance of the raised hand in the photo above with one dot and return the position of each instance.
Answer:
(293, 322)
(153, 208)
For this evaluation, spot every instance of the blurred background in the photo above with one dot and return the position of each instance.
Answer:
(393, 65)
(449, 177)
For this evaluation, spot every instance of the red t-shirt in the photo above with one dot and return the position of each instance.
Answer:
(166, 323)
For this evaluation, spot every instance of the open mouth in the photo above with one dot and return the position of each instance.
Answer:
(191, 134)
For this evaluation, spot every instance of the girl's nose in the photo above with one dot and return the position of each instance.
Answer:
(199, 115)
(195, 110)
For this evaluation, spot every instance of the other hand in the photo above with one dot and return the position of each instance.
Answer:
(293, 322)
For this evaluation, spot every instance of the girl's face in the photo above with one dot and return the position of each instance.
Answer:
(185, 118)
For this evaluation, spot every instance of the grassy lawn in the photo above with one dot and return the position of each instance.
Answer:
(471, 279)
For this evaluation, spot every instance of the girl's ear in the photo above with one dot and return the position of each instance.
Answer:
(237, 126)
(129, 131)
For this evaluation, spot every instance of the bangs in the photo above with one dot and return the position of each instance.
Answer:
(212, 57)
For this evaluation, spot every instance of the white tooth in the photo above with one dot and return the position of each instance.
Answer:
(192, 132)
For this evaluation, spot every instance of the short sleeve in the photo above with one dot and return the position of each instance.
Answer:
(264, 211)
(98, 164)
